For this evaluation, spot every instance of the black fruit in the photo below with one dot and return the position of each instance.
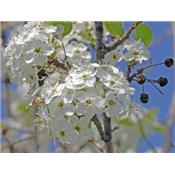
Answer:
(144, 98)
(169, 62)
(141, 79)
(162, 81)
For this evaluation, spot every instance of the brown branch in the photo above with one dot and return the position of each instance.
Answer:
(128, 72)
(101, 50)
(124, 38)
(96, 145)
(65, 56)
(64, 50)
(97, 123)
(100, 47)
(108, 133)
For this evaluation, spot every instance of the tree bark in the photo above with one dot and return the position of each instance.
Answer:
(108, 133)
(100, 54)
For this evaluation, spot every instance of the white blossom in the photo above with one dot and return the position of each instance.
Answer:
(112, 107)
(114, 56)
(136, 51)
(88, 103)
(82, 77)
(62, 129)
(82, 128)
(59, 109)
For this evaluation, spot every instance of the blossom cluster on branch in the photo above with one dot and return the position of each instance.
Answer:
(63, 82)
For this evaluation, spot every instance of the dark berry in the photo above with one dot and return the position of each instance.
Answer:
(169, 62)
(162, 81)
(144, 98)
(141, 79)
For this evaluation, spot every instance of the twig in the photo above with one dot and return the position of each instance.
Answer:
(96, 145)
(144, 135)
(138, 72)
(64, 50)
(65, 56)
(115, 128)
(124, 38)
(128, 72)
(81, 147)
(9, 145)
(19, 129)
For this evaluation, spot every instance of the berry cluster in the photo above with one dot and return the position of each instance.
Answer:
(141, 79)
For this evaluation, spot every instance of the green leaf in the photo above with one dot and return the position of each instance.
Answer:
(67, 26)
(126, 122)
(22, 107)
(144, 33)
(24, 111)
(114, 28)
(87, 35)
(159, 128)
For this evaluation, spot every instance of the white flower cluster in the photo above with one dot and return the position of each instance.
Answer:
(70, 88)
(130, 51)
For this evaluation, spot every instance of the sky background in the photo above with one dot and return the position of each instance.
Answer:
(161, 49)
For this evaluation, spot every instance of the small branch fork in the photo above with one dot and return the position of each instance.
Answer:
(106, 134)
(124, 38)
(101, 49)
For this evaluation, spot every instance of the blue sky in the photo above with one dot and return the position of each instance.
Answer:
(161, 48)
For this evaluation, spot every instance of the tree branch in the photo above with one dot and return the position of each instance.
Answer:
(97, 123)
(108, 133)
(124, 38)
(100, 54)
(96, 145)
(100, 47)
